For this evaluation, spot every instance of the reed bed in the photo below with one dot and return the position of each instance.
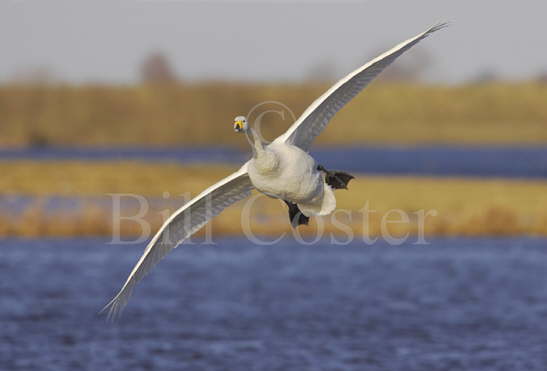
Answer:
(201, 114)
(372, 206)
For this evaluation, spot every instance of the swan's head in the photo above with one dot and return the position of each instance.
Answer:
(240, 124)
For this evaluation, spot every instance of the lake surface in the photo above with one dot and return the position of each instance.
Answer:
(515, 162)
(456, 304)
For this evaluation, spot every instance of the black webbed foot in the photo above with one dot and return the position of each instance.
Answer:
(336, 179)
(295, 215)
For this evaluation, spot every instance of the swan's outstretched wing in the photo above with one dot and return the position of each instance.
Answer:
(181, 225)
(316, 117)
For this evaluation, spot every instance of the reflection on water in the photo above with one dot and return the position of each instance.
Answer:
(455, 304)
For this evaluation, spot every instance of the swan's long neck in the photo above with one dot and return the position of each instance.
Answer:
(256, 142)
(265, 160)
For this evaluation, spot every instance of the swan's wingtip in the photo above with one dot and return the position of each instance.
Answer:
(113, 309)
(438, 26)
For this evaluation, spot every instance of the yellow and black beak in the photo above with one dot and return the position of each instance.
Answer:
(238, 126)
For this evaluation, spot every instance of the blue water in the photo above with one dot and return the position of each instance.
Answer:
(456, 304)
(440, 161)
(515, 162)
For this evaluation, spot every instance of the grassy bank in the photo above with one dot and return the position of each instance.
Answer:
(201, 114)
(461, 207)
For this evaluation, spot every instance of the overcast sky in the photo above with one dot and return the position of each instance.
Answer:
(105, 40)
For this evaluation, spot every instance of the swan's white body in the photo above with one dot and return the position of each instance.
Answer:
(289, 173)
(282, 169)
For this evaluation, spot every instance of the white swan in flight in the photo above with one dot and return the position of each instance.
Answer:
(282, 169)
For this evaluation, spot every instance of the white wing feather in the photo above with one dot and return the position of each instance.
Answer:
(316, 117)
(181, 225)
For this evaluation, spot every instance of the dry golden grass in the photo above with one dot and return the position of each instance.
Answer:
(83, 178)
(201, 114)
(462, 207)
